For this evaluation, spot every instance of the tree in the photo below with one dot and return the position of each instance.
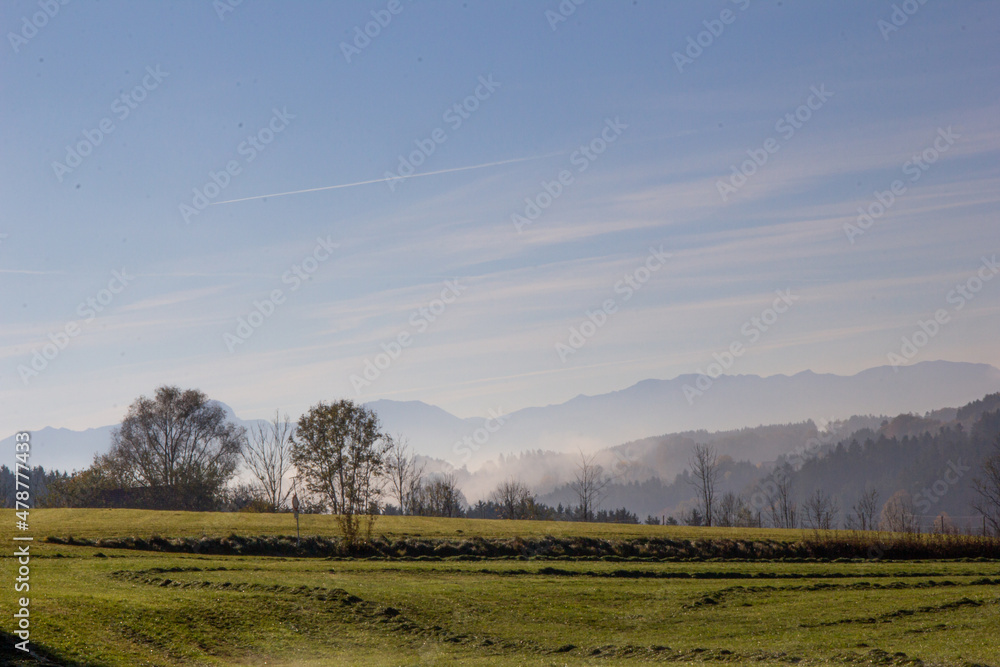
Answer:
(897, 514)
(733, 510)
(86, 488)
(589, 485)
(943, 525)
(438, 497)
(178, 447)
(246, 498)
(513, 500)
(705, 474)
(781, 508)
(987, 490)
(820, 510)
(862, 514)
(693, 518)
(267, 455)
(340, 452)
(403, 473)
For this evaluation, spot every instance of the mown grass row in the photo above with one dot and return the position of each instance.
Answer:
(857, 546)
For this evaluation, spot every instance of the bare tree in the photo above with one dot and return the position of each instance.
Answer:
(863, 512)
(781, 508)
(438, 497)
(725, 510)
(589, 485)
(705, 474)
(268, 456)
(513, 500)
(897, 514)
(732, 510)
(987, 489)
(820, 510)
(403, 473)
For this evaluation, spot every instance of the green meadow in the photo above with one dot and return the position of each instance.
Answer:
(98, 606)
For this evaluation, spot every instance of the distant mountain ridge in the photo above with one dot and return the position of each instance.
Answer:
(646, 409)
(655, 407)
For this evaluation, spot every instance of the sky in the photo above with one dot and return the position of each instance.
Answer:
(496, 205)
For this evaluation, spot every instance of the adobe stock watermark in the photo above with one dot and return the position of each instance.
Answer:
(580, 159)
(931, 495)
(595, 319)
(381, 18)
(264, 309)
(562, 12)
(420, 320)
(786, 127)
(454, 116)
(927, 330)
(714, 28)
(122, 107)
(248, 149)
(31, 25)
(22, 511)
(752, 330)
(58, 340)
(223, 7)
(470, 444)
(913, 168)
(899, 17)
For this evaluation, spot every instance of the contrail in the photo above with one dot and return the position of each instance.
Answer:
(391, 178)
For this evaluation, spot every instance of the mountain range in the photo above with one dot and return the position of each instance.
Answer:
(649, 408)
(655, 407)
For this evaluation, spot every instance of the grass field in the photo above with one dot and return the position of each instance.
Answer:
(119, 523)
(95, 606)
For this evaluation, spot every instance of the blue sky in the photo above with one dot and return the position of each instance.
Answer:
(339, 276)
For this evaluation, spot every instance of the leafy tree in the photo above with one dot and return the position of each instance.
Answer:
(177, 448)
(245, 498)
(86, 488)
(340, 452)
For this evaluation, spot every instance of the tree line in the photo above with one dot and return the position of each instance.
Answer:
(903, 484)
(178, 450)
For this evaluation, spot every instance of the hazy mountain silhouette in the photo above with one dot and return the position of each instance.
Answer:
(654, 407)
(646, 409)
